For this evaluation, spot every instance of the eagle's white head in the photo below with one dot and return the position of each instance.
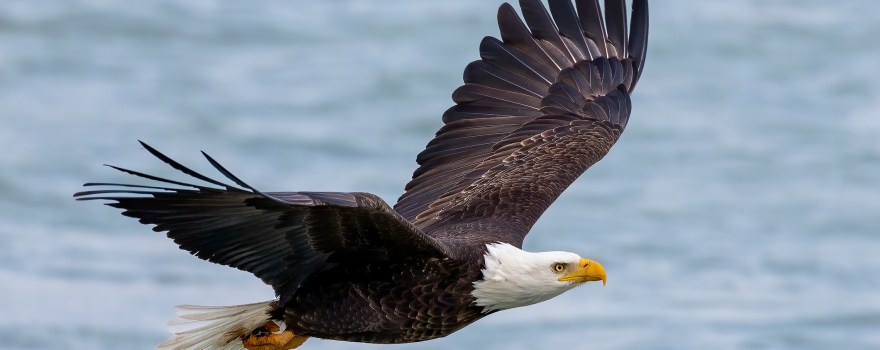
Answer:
(513, 277)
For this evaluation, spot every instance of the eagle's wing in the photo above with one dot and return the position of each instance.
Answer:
(282, 238)
(543, 104)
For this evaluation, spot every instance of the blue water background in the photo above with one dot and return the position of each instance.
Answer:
(740, 210)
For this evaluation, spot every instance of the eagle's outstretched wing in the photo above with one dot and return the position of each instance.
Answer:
(282, 238)
(542, 105)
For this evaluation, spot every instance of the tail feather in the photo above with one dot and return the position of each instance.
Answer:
(215, 327)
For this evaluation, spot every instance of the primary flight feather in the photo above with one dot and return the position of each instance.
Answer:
(543, 104)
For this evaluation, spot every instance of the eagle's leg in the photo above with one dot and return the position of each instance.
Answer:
(271, 337)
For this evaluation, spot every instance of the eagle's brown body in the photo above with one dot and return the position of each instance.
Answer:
(386, 303)
(543, 104)
(377, 300)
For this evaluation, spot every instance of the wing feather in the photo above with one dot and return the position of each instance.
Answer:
(482, 95)
(594, 26)
(615, 17)
(570, 28)
(492, 76)
(544, 30)
(515, 33)
(638, 41)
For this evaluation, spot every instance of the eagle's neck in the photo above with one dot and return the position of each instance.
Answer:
(513, 277)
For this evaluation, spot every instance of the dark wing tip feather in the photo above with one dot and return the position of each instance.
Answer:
(615, 19)
(226, 173)
(513, 30)
(638, 38)
(229, 175)
(187, 187)
(566, 19)
(131, 189)
(538, 19)
(174, 164)
(507, 18)
(152, 177)
(590, 16)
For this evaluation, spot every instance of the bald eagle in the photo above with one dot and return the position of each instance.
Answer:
(543, 104)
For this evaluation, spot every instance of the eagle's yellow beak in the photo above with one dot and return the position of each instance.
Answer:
(589, 270)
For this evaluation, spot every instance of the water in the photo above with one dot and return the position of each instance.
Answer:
(739, 210)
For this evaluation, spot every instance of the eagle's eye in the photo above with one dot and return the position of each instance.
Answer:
(558, 267)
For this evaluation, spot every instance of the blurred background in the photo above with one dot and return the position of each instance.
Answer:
(739, 211)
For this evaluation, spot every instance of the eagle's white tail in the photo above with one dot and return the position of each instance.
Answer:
(214, 327)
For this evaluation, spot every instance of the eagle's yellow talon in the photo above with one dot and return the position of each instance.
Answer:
(269, 340)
